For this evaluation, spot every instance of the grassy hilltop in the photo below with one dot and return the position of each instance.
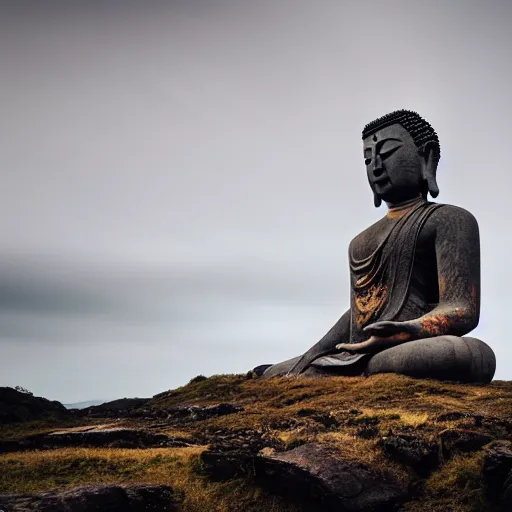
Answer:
(430, 438)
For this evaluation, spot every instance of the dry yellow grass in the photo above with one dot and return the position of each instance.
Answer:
(40, 470)
(349, 414)
(379, 392)
(458, 487)
(406, 418)
(36, 471)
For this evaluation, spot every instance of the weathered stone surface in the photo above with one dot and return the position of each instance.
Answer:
(454, 358)
(114, 438)
(196, 412)
(457, 440)
(122, 408)
(184, 413)
(506, 495)
(260, 370)
(237, 440)
(108, 498)
(309, 473)
(496, 470)
(232, 452)
(414, 274)
(421, 456)
(313, 472)
(458, 415)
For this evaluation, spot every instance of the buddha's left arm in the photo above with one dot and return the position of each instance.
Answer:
(457, 245)
(457, 248)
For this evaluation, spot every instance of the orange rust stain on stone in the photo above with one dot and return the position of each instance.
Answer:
(459, 312)
(399, 336)
(436, 325)
(369, 302)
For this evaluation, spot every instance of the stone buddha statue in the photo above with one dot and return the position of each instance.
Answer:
(415, 274)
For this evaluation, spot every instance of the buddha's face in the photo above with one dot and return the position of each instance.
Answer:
(393, 163)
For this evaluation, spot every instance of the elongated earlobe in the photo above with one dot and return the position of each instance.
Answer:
(432, 186)
(428, 172)
(429, 185)
(377, 201)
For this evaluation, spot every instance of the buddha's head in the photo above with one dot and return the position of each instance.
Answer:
(401, 152)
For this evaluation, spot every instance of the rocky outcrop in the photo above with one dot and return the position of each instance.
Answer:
(112, 438)
(136, 408)
(16, 407)
(458, 415)
(310, 473)
(497, 471)
(185, 413)
(102, 498)
(237, 440)
(313, 472)
(421, 456)
(195, 412)
(462, 441)
(122, 408)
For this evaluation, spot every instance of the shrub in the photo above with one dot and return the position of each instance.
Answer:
(25, 391)
(199, 378)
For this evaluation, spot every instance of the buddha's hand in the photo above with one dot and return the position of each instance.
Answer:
(383, 335)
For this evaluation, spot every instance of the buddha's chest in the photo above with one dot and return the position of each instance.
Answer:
(368, 241)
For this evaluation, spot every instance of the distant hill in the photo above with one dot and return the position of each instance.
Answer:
(16, 406)
(83, 405)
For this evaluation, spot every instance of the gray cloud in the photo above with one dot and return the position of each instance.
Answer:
(180, 180)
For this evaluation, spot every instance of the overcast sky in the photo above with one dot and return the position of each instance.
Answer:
(181, 179)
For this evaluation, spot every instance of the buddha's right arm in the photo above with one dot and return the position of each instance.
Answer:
(339, 333)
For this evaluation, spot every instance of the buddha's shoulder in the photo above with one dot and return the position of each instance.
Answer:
(451, 213)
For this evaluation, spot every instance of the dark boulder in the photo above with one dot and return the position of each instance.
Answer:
(465, 441)
(420, 455)
(310, 474)
(496, 470)
(102, 498)
(318, 474)
(226, 440)
(184, 413)
(232, 452)
(458, 415)
(506, 495)
(196, 412)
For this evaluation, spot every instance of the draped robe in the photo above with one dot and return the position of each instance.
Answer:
(384, 285)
